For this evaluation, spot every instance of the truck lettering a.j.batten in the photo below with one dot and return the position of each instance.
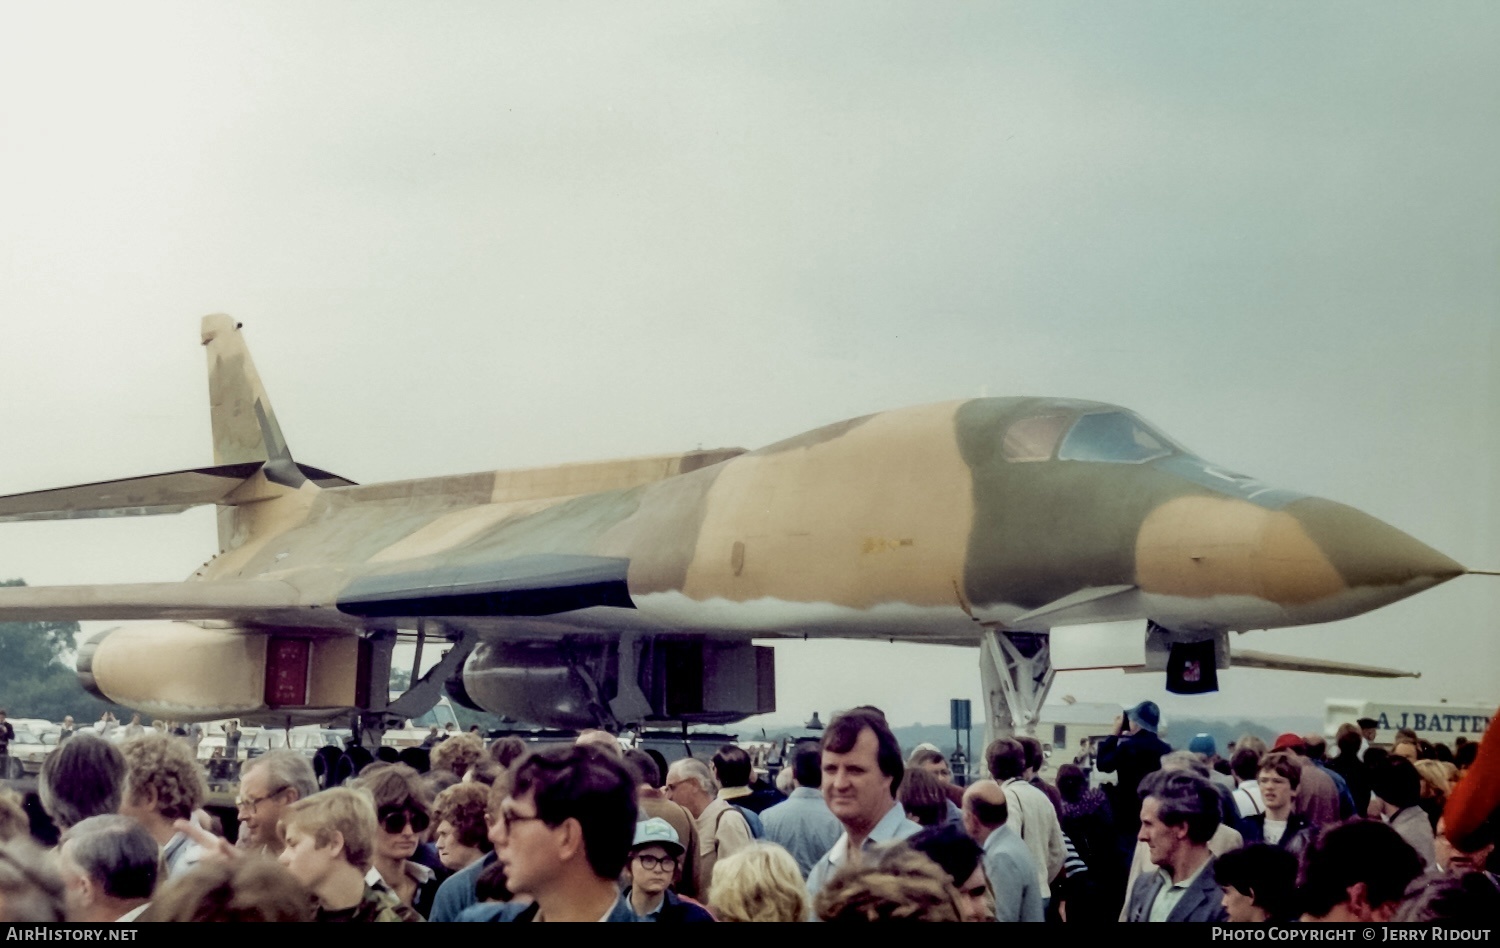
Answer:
(1439, 722)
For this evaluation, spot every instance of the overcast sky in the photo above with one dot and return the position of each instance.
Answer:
(466, 236)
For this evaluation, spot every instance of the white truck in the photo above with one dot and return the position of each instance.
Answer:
(1439, 722)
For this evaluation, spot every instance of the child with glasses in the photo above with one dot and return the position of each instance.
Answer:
(655, 857)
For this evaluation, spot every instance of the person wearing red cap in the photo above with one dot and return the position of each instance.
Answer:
(1317, 795)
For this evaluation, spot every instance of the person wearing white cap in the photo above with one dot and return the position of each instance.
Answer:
(655, 857)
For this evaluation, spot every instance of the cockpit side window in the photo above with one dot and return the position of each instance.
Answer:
(1113, 436)
(1034, 438)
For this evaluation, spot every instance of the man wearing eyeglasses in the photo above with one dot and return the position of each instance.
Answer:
(722, 830)
(654, 860)
(568, 827)
(268, 785)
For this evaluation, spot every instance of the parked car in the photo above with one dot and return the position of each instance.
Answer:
(255, 741)
(30, 747)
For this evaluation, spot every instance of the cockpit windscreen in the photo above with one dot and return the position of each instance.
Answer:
(1113, 436)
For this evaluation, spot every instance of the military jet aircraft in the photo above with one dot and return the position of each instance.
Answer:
(634, 591)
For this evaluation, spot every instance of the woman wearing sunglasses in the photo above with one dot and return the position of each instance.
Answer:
(402, 816)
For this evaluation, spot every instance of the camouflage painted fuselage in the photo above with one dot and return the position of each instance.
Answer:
(912, 524)
(940, 523)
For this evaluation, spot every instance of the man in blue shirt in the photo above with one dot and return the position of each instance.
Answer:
(803, 824)
(1007, 859)
(862, 769)
(457, 891)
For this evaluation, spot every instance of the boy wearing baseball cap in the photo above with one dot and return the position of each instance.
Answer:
(655, 857)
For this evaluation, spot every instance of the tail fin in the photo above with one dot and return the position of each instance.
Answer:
(245, 428)
(244, 425)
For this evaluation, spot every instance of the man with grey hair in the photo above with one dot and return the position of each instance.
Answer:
(722, 831)
(84, 777)
(1179, 814)
(1224, 839)
(268, 785)
(109, 866)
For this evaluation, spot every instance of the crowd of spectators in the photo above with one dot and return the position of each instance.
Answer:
(858, 831)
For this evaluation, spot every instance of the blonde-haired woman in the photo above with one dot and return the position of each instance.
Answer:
(1437, 783)
(758, 884)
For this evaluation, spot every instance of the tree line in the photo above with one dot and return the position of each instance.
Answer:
(37, 677)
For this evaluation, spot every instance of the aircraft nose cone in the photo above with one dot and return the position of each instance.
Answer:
(1370, 553)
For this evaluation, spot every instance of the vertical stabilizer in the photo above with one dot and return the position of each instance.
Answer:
(244, 427)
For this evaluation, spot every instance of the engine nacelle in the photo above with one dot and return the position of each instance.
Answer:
(579, 683)
(184, 671)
